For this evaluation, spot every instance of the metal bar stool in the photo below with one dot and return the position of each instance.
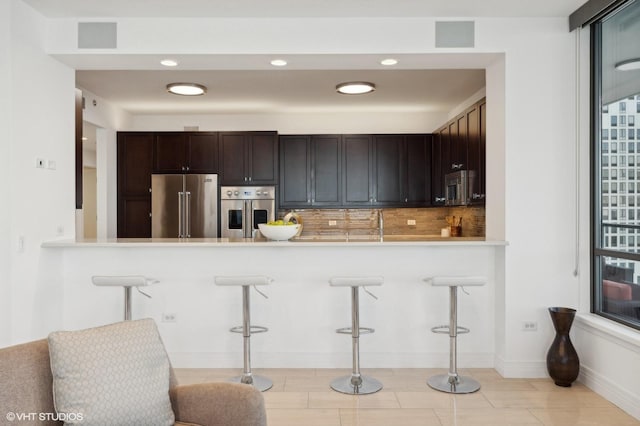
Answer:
(452, 382)
(259, 382)
(356, 383)
(126, 281)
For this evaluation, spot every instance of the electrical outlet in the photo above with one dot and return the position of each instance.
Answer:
(51, 164)
(40, 163)
(529, 326)
(333, 223)
(411, 222)
(169, 317)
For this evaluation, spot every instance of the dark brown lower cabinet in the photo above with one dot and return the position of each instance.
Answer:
(134, 217)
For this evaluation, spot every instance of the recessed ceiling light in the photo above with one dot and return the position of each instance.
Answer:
(169, 62)
(628, 65)
(355, 88)
(278, 62)
(186, 89)
(389, 61)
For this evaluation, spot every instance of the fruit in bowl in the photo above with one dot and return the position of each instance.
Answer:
(279, 230)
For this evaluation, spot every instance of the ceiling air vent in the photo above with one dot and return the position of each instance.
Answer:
(97, 35)
(455, 34)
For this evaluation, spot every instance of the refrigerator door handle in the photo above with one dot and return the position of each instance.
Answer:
(187, 216)
(180, 214)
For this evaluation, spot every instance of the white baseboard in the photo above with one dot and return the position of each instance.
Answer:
(611, 391)
(521, 369)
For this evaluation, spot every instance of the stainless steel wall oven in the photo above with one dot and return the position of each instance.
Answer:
(242, 208)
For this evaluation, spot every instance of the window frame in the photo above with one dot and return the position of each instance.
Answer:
(599, 250)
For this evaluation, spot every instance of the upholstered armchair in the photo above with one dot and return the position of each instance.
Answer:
(26, 386)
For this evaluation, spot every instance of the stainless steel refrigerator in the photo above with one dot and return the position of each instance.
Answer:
(184, 206)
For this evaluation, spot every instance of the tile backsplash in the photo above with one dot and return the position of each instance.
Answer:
(364, 223)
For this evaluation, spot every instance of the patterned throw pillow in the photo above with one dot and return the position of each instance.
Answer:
(112, 375)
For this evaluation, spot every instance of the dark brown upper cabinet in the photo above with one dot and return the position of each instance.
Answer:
(389, 154)
(326, 170)
(460, 144)
(357, 170)
(417, 170)
(185, 152)
(248, 158)
(477, 119)
(295, 171)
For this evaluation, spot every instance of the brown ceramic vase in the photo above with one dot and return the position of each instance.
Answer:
(562, 359)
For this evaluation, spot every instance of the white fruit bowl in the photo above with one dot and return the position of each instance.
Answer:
(279, 232)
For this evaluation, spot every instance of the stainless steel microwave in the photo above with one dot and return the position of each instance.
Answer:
(456, 187)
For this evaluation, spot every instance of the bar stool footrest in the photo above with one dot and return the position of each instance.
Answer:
(254, 329)
(444, 329)
(348, 330)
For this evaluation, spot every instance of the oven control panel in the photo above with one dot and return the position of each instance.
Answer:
(247, 193)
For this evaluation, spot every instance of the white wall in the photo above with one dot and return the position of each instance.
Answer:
(108, 119)
(41, 201)
(539, 166)
(5, 175)
(298, 123)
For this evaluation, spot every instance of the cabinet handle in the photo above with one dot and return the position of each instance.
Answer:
(249, 178)
(149, 189)
(188, 168)
(406, 200)
(245, 178)
(477, 196)
(183, 168)
(308, 201)
(439, 199)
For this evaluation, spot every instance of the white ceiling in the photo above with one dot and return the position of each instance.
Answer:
(284, 91)
(248, 84)
(304, 8)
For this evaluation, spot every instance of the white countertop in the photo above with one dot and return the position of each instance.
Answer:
(248, 242)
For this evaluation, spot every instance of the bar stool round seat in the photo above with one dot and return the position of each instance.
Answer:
(356, 383)
(126, 281)
(246, 281)
(452, 382)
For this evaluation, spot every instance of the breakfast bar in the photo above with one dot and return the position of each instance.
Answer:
(301, 311)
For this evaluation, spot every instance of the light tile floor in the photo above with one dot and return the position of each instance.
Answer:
(302, 397)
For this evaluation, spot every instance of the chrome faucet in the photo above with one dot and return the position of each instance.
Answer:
(381, 225)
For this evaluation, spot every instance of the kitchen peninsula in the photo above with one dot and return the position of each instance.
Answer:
(302, 311)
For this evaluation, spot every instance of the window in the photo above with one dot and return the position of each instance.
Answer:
(616, 166)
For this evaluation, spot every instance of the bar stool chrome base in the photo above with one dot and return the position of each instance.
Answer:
(259, 382)
(453, 384)
(354, 385)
